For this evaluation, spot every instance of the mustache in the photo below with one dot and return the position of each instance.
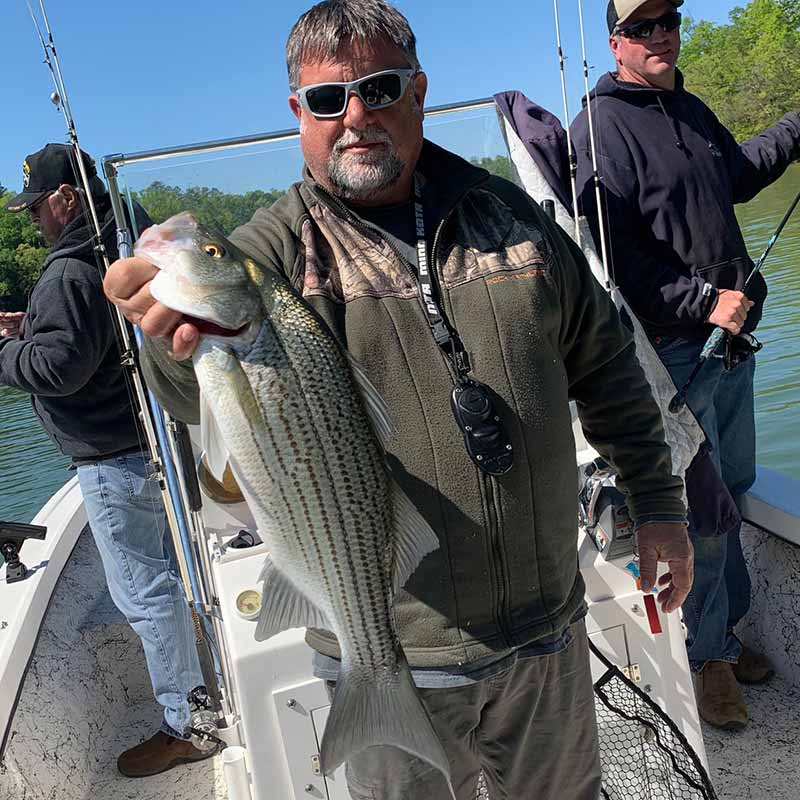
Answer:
(373, 134)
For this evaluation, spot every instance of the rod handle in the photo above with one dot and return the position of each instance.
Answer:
(183, 443)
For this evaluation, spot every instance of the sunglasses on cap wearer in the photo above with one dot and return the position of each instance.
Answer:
(379, 90)
(643, 29)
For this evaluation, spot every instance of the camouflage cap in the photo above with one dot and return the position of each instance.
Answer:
(619, 10)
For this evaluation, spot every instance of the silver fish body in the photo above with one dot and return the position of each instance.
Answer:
(301, 427)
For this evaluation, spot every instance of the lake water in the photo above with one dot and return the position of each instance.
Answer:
(31, 469)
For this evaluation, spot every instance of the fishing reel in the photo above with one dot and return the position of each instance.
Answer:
(203, 721)
(603, 511)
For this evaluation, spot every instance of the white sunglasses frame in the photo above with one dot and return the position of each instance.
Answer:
(406, 75)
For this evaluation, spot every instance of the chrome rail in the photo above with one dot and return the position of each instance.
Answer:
(112, 162)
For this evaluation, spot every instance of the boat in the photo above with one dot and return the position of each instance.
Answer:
(74, 690)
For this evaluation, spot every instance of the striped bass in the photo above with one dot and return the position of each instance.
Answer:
(303, 431)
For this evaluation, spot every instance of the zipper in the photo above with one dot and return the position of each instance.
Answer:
(499, 571)
(487, 484)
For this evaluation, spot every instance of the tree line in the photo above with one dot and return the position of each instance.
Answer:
(747, 71)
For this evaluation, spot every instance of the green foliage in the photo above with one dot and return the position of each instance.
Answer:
(748, 71)
(21, 257)
(499, 165)
(213, 208)
(22, 253)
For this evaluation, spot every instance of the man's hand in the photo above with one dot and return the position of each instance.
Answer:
(731, 310)
(668, 542)
(11, 323)
(127, 285)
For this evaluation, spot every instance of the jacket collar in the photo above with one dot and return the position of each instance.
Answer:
(445, 175)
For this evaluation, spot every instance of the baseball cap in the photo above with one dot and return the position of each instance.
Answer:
(47, 169)
(619, 10)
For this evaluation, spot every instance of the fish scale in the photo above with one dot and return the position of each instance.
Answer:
(350, 458)
(304, 432)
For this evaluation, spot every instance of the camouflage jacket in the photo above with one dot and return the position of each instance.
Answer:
(539, 330)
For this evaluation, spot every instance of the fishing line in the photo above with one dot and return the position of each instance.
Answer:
(60, 99)
(154, 423)
(595, 175)
(572, 156)
(717, 336)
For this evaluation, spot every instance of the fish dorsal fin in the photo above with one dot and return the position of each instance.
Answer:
(284, 606)
(377, 410)
(211, 441)
(413, 537)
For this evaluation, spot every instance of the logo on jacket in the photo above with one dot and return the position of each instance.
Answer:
(715, 151)
(26, 174)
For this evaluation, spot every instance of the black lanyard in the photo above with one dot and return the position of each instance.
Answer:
(472, 402)
(445, 338)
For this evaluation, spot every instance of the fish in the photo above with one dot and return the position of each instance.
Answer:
(305, 432)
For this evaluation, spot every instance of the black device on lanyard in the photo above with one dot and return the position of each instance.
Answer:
(485, 438)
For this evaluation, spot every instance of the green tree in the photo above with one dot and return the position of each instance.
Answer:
(22, 253)
(748, 71)
(498, 165)
(213, 208)
(21, 257)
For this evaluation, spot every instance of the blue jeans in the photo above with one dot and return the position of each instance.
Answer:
(128, 523)
(723, 403)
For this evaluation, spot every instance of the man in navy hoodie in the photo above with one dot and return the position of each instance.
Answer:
(63, 351)
(670, 175)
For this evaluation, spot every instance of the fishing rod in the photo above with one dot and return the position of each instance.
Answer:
(573, 159)
(717, 336)
(595, 175)
(150, 414)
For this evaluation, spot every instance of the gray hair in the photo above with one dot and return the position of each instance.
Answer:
(322, 30)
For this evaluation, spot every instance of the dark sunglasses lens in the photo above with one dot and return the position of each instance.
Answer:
(669, 22)
(326, 99)
(644, 28)
(380, 91)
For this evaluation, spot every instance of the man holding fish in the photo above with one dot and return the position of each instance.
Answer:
(385, 358)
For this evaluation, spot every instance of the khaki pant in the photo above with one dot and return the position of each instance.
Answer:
(531, 729)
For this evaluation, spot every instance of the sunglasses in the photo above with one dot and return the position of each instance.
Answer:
(643, 29)
(379, 90)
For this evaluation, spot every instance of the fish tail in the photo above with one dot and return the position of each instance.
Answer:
(368, 711)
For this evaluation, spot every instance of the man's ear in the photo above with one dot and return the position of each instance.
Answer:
(613, 42)
(70, 196)
(420, 90)
(294, 104)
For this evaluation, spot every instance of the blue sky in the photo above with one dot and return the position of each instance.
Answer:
(177, 72)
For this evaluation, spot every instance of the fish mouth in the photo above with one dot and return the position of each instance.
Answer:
(212, 328)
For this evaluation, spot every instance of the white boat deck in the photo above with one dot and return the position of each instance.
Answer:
(761, 762)
(87, 697)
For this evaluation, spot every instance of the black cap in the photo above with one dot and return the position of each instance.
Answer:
(49, 168)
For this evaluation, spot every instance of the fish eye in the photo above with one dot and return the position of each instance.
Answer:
(214, 250)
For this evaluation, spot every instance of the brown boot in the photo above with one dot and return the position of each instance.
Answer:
(752, 667)
(719, 698)
(158, 754)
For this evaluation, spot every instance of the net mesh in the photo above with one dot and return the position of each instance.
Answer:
(643, 755)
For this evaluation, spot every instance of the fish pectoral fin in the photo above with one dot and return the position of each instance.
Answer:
(212, 442)
(284, 606)
(377, 410)
(369, 710)
(413, 537)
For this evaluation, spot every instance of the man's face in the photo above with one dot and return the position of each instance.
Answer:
(651, 60)
(364, 156)
(52, 214)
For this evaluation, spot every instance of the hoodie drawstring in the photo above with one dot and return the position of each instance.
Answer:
(679, 143)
